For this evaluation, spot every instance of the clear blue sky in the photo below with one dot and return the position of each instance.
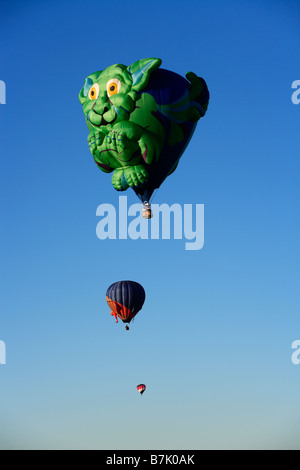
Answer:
(213, 342)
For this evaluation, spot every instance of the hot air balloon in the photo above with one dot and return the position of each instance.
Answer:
(125, 299)
(140, 120)
(141, 388)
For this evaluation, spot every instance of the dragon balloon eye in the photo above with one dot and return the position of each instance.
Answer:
(94, 92)
(113, 86)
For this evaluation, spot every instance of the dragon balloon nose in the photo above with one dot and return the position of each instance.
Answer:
(100, 107)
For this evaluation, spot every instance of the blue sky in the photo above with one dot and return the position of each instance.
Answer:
(213, 342)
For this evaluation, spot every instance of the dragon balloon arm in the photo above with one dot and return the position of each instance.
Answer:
(150, 148)
(145, 139)
(95, 142)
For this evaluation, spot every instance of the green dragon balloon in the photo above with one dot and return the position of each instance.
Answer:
(140, 120)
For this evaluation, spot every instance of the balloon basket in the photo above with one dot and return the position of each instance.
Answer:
(147, 212)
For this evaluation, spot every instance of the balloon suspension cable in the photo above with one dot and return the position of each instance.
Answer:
(147, 212)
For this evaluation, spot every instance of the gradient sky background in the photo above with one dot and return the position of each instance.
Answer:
(213, 342)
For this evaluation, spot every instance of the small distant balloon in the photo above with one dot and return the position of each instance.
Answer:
(141, 388)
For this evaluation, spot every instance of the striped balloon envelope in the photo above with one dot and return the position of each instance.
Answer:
(125, 299)
(141, 388)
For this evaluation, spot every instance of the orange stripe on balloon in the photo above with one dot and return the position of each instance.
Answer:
(124, 313)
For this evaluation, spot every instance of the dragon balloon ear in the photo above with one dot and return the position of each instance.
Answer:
(140, 72)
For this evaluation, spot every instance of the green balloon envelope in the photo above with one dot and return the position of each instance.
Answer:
(141, 119)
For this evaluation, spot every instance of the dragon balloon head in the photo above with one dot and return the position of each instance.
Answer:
(110, 96)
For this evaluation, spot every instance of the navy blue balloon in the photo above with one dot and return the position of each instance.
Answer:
(125, 298)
